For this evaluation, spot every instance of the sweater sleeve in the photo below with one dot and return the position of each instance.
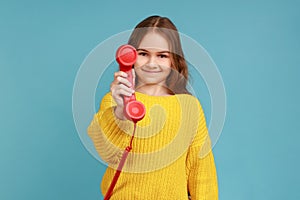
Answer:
(201, 170)
(108, 133)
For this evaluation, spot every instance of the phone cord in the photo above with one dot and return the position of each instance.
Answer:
(120, 166)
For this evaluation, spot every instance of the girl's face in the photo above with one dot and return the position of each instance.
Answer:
(153, 63)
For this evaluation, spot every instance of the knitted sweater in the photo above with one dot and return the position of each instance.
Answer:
(171, 154)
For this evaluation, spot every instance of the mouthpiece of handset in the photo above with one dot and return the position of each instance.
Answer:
(135, 111)
(126, 56)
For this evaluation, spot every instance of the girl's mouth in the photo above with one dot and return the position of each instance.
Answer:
(150, 71)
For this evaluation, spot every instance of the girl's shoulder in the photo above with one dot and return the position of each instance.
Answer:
(189, 98)
(191, 102)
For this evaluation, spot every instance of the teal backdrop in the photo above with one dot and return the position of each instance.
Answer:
(255, 45)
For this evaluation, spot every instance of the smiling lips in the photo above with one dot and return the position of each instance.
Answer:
(147, 71)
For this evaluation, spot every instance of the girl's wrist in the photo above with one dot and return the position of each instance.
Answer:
(119, 113)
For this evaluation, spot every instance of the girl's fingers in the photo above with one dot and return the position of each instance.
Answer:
(121, 87)
(121, 78)
(120, 73)
(121, 90)
(124, 81)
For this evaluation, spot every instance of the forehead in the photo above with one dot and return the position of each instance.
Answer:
(153, 40)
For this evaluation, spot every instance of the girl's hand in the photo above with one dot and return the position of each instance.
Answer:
(119, 87)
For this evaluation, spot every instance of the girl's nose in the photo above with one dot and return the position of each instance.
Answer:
(152, 61)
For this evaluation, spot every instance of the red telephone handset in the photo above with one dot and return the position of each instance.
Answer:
(134, 110)
(126, 56)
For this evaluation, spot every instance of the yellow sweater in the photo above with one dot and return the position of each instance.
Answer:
(171, 154)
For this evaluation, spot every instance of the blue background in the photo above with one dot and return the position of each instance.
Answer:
(43, 43)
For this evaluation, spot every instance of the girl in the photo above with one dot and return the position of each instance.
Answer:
(171, 157)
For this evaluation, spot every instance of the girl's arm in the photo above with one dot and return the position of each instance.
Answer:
(108, 133)
(109, 125)
(201, 170)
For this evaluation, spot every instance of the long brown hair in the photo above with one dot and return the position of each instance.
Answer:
(177, 80)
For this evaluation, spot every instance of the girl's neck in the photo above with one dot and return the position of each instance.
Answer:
(154, 90)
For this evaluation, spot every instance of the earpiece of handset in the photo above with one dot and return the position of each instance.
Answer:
(126, 56)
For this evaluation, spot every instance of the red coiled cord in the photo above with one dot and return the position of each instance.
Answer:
(120, 166)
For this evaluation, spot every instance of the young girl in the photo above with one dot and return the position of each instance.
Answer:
(171, 156)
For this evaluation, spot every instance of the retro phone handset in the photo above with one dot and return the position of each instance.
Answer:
(126, 56)
(133, 110)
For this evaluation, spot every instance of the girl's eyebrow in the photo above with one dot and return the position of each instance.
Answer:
(149, 51)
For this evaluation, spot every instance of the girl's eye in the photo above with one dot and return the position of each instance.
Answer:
(163, 56)
(142, 53)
